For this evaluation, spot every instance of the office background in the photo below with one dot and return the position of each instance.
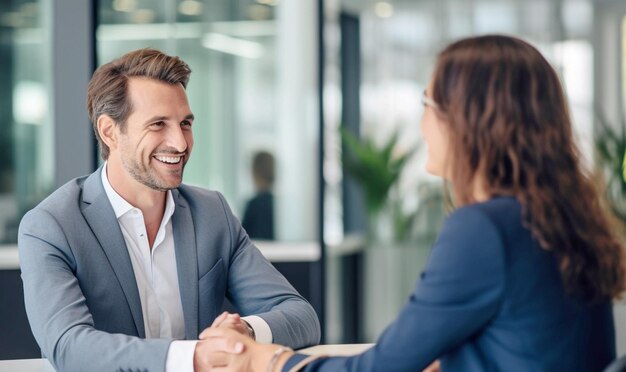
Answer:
(283, 76)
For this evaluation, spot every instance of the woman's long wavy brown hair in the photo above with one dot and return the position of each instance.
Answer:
(510, 130)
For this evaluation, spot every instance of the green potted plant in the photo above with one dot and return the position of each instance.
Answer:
(398, 242)
(377, 170)
(610, 149)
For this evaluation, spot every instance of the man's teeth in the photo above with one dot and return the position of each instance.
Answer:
(169, 159)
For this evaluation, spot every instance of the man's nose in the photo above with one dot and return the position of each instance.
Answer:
(176, 139)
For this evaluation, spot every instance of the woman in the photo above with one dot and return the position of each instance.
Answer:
(522, 275)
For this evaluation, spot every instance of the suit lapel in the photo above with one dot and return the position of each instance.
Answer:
(101, 218)
(186, 263)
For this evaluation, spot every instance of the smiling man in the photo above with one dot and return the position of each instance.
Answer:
(123, 268)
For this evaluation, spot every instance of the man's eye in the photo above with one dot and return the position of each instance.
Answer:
(185, 123)
(158, 124)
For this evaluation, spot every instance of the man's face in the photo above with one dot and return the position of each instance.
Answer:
(157, 140)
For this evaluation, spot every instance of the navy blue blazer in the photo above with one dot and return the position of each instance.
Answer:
(489, 299)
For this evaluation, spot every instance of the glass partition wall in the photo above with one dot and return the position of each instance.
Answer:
(26, 125)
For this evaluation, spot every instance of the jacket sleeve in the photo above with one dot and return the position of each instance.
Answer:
(255, 287)
(58, 313)
(458, 294)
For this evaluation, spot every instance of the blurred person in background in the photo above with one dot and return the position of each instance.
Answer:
(258, 217)
(524, 271)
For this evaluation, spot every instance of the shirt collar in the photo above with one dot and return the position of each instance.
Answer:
(121, 206)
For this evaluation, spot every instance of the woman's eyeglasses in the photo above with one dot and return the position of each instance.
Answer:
(427, 101)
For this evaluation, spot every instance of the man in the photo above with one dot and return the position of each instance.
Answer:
(122, 265)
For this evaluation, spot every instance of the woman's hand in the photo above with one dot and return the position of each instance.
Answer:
(433, 367)
(230, 357)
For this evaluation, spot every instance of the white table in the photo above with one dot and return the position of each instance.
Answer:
(336, 350)
(26, 365)
(42, 365)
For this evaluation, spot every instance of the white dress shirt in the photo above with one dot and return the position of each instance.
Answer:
(157, 279)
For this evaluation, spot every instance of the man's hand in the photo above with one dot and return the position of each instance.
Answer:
(215, 352)
(234, 322)
(220, 345)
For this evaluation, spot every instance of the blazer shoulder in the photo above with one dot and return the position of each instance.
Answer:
(470, 224)
(204, 203)
(500, 205)
(65, 197)
(494, 221)
(499, 212)
(199, 196)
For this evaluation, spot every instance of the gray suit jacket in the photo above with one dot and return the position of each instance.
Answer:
(80, 290)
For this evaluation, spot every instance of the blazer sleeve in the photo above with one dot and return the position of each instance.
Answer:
(255, 287)
(58, 313)
(458, 294)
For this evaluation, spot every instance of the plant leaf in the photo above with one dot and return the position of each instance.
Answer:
(374, 168)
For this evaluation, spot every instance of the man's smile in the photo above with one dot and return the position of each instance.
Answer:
(169, 159)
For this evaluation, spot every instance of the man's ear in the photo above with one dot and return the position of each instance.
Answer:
(107, 130)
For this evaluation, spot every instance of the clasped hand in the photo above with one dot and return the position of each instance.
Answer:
(224, 346)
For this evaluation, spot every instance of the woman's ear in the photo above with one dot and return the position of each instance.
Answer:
(107, 131)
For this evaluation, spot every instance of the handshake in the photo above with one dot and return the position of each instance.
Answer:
(229, 345)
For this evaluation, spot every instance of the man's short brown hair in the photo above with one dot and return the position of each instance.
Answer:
(107, 92)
